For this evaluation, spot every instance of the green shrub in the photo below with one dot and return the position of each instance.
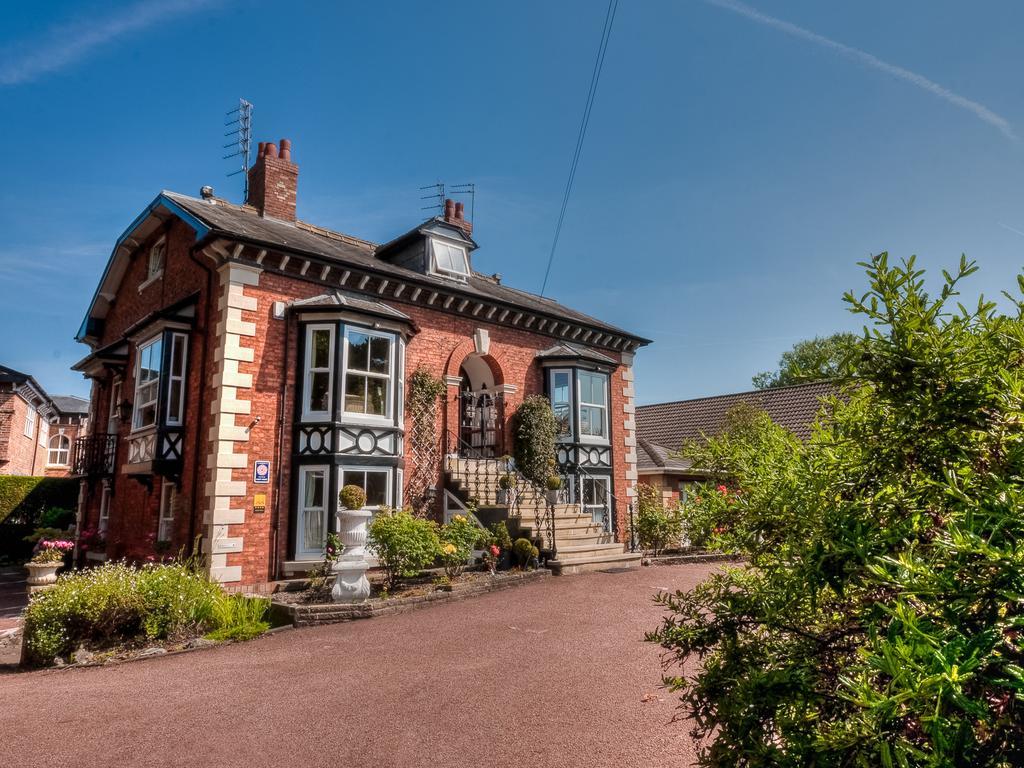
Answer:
(879, 622)
(404, 544)
(500, 535)
(352, 497)
(523, 550)
(535, 429)
(657, 528)
(457, 538)
(118, 603)
(24, 499)
(57, 517)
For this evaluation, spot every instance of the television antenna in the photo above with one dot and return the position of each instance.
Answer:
(467, 189)
(437, 194)
(239, 121)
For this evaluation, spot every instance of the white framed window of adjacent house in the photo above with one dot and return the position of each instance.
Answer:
(30, 422)
(311, 525)
(375, 482)
(155, 262)
(318, 381)
(448, 259)
(59, 451)
(368, 367)
(165, 528)
(593, 406)
(44, 432)
(176, 380)
(104, 518)
(148, 362)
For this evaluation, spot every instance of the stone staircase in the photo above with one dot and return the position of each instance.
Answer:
(580, 543)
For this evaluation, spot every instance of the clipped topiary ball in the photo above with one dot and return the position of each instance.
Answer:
(352, 497)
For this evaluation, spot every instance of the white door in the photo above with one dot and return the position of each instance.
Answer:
(311, 514)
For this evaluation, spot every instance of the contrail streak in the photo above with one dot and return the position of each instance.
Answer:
(980, 111)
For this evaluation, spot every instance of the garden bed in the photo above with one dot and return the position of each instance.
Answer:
(303, 609)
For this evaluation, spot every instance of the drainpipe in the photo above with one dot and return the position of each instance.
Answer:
(279, 457)
(200, 332)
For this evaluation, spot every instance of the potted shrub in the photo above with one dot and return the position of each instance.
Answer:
(505, 485)
(554, 485)
(43, 567)
(350, 583)
(352, 497)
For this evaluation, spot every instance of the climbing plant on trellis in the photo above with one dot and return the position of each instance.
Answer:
(423, 401)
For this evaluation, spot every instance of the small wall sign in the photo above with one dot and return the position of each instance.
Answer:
(261, 472)
(259, 503)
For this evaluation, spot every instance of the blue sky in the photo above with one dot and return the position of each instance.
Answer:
(735, 170)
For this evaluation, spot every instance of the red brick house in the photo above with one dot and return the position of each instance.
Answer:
(246, 365)
(37, 430)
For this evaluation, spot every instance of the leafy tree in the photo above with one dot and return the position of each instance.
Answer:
(880, 620)
(823, 357)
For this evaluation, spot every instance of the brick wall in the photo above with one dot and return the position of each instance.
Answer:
(19, 455)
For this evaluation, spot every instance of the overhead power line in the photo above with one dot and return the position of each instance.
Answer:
(595, 78)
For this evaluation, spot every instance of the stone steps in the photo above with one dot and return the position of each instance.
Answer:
(572, 564)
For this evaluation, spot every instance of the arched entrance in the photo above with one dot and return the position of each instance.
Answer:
(481, 408)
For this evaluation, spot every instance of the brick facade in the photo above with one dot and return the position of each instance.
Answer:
(244, 360)
(24, 454)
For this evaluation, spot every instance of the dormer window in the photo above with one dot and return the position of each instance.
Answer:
(448, 259)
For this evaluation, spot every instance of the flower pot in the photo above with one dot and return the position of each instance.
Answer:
(42, 575)
(502, 496)
(553, 495)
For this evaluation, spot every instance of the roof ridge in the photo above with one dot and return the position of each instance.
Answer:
(785, 387)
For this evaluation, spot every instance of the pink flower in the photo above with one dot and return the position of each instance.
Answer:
(494, 550)
(723, 490)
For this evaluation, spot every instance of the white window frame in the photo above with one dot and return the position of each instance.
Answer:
(301, 553)
(104, 518)
(605, 438)
(568, 437)
(595, 515)
(388, 473)
(61, 439)
(437, 269)
(30, 421)
(367, 418)
(44, 433)
(307, 373)
(138, 404)
(155, 271)
(166, 517)
(177, 380)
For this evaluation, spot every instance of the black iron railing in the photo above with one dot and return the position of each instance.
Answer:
(94, 456)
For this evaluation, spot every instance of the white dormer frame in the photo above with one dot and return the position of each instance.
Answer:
(453, 251)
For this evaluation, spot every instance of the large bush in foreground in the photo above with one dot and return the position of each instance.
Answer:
(119, 603)
(881, 619)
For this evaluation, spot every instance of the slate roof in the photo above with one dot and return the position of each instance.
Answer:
(351, 301)
(664, 427)
(243, 223)
(566, 350)
(70, 405)
(11, 376)
(653, 457)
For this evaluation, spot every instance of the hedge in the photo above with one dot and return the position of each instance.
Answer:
(24, 499)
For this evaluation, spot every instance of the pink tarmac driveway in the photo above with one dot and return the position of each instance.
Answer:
(551, 673)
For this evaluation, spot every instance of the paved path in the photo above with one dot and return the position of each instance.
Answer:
(551, 674)
(13, 596)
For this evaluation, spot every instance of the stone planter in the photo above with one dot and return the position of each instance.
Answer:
(553, 495)
(502, 496)
(350, 582)
(42, 575)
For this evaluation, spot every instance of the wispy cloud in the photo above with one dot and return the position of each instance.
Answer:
(67, 43)
(980, 111)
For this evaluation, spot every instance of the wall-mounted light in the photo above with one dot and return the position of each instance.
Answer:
(124, 410)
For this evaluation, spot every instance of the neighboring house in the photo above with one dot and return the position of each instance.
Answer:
(37, 430)
(247, 365)
(663, 428)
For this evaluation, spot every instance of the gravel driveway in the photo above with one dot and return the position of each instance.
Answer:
(553, 673)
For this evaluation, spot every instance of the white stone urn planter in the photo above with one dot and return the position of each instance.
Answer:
(42, 575)
(350, 582)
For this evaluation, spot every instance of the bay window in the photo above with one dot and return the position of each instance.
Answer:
(593, 408)
(311, 531)
(594, 496)
(160, 362)
(368, 373)
(376, 483)
(561, 402)
(176, 381)
(147, 383)
(319, 378)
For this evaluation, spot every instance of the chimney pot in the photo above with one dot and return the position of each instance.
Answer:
(449, 209)
(273, 186)
(286, 149)
(271, 149)
(459, 211)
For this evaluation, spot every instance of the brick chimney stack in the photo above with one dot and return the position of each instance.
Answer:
(454, 213)
(274, 180)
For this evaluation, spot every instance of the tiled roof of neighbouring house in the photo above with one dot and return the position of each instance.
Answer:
(664, 427)
(69, 404)
(12, 376)
(652, 457)
(245, 223)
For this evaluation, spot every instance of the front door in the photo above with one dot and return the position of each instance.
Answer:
(481, 420)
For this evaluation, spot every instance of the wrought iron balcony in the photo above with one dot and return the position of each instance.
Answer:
(94, 456)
